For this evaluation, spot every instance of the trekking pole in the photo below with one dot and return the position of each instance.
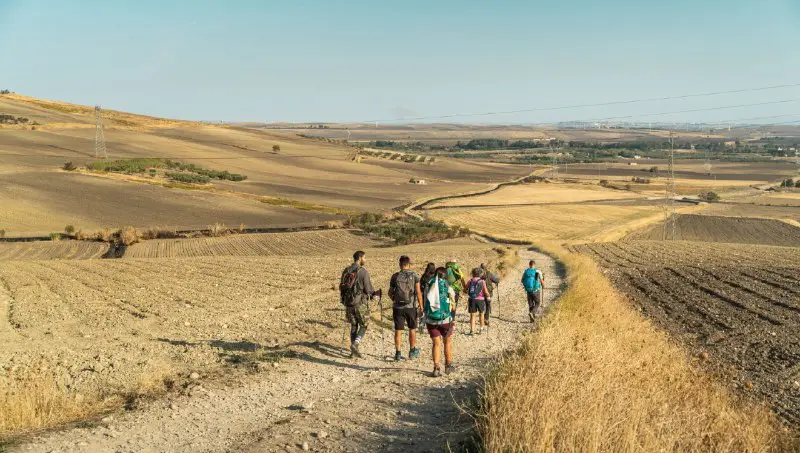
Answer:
(346, 327)
(380, 304)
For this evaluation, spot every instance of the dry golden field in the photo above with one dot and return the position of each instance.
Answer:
(37, 197)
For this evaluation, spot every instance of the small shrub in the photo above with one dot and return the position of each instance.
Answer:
(187, 177)
(788, 183)
(709, 196)
(127, 236)
(152, 172)
(2, 233)
(217, 230)
(68, 166)
(55, 237)
(158, 232)
(69, 229)
(241, 228)
(604, 182)
(276, 148)
(653, 169)
(5, 92)
(797, 184)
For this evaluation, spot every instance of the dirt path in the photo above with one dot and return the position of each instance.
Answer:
(321, 397)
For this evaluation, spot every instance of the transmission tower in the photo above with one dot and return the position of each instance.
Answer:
(670, 220)
(99, 137)
(555, 167)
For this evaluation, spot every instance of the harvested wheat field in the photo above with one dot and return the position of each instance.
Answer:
(72, 250)
(736, 305)
(567, 222)
(540, 193)
(706, 228)
(263, 334)
(312, 243)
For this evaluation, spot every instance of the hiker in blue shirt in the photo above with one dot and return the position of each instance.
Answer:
(533, 282)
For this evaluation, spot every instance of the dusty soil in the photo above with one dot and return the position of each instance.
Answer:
(705, 228)
(736, 306)
(753, 210)
(273, 369)
(315, 243)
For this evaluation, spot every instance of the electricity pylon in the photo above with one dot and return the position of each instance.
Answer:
(99, 137)
(670, 221)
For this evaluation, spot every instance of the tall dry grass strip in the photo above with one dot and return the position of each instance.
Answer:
(598, 377)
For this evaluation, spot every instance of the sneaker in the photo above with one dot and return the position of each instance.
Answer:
(486, 322)
(437, 371)
(413, 353)
(480, 331)
(532, 315)
(354, 351)
(397, 356)
(449, 369)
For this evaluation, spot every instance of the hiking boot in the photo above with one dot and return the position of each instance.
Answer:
(413, 353)
(486, 322)
(397, 356)
(354, 353)
(437, 371)
(449, 369)
(532, 315)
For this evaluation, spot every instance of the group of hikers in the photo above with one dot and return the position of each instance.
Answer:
(430, 300)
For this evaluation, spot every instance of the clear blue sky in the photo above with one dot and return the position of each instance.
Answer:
(299, 60)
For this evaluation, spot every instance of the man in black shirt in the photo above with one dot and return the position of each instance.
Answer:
(405, 292)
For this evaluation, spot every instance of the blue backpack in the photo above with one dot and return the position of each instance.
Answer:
(437, 301)
(530, 282)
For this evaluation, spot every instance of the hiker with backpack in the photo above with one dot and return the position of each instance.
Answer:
(491, 280)
(533, 282)
(477, 291)
(425, 284)
(456, 281)
(440, 319)
(355, 289)
(405, 292)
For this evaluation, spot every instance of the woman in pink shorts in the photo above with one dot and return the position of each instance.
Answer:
(439, 319)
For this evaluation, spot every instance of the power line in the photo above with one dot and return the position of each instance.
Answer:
(708, 109)
(577, 106)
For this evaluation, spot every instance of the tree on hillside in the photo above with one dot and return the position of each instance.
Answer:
(5, 92)
(276, 148)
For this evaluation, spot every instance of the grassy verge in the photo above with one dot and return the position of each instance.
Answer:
(598, 377)
(39, 402)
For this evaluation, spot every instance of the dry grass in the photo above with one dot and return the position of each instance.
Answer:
(597, 377)
(40, 402)
(37, 403)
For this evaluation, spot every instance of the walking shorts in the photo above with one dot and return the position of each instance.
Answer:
(534, 300)
(477, 305)
(403, 316)
(440, 330)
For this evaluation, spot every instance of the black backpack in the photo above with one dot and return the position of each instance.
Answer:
(404, 289)
(347, 286)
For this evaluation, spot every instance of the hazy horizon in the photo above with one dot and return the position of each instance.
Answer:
(360, 61)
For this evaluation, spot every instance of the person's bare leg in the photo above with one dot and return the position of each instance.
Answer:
(398, 339)
(436, 353)
(480, 319)
(412, 338)
(471, 322)
(448, 352)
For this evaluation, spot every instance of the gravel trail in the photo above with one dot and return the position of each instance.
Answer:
(319, 399)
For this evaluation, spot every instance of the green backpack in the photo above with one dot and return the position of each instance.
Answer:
(454, 277)
(437, 300)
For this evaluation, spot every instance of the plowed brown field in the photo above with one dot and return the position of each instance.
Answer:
(705, 228)
(280, 244)
(77, 250)
(738, 303)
